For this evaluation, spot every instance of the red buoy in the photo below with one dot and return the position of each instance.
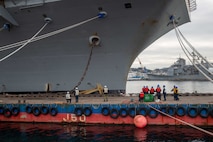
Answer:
(140, 121)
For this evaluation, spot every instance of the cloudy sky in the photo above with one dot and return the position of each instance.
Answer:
(199, 33)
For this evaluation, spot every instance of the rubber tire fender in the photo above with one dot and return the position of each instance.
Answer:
(15, 111)
(204, 115)
(192, 109)
(163, 109)
(123, 112)
(114, 113)
(141, 110)
(131, 111)
(87, 111)
(36, 111)
(78, 111)
(29, 109)
(7, 112)
(44, 110)
(183, 110)
(211, 112)
(171, 110)
(105, 111)
(1, 110)
(53, 111)
(153, 115)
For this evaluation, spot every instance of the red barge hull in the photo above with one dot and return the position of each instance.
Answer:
(201, 115)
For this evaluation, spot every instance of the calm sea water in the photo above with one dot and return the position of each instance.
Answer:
(28, 132)
(184, 86)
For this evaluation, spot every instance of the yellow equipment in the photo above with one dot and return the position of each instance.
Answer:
(99, 88)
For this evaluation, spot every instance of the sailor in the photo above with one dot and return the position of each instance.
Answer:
(158, 90)
(105, 93)
(146, 90)
(68, 97)
(152, 90)
(143, 89)
(141, 96)
(164, 92)
(76, 94)
(175, 92)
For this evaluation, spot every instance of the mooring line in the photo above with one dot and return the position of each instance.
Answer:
(28, 41)
(193, 126)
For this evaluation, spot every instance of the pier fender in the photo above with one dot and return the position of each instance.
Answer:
(180, 111)
(153, 113)
(132, 111)
(36, 111)
(211, 111)
(163, 108)
(1, 110)
(44, 110)
(53, 111)
(87, 111)
(114, 113)
(171, 110)
(123, 112)
(7, 112)
(192, 111)
(29, 109)
(15, 111)
(204, 112)
(140, 121)
(78, 111)
(143, 111)
(105, 111)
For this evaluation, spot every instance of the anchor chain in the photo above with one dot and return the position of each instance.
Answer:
(86, 69)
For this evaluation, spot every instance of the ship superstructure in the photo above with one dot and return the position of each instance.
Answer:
(62, 44)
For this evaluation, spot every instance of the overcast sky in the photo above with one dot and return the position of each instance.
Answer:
(199, 33)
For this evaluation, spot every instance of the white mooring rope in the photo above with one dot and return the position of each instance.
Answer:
(184, 50)
(28, 41)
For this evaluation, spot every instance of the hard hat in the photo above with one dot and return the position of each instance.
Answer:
(76, 88)
(105, 86)
(68, 92)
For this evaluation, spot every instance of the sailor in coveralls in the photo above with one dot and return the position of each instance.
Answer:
(76, 93)
(68, 97)
(105, 93)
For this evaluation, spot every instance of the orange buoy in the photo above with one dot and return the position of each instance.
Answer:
(140, 121)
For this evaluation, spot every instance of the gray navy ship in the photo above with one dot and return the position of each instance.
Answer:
(179, 71)
(57, 45)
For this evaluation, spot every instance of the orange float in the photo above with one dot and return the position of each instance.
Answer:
(140, 121)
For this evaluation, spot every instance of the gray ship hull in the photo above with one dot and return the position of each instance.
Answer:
(57, 63)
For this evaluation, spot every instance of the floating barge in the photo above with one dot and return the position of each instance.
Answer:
(196, 110)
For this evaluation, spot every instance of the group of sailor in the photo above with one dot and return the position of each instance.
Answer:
(146, 90)
(76, 94)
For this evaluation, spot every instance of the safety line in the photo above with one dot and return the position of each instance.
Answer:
(193, 126)
(7, 56)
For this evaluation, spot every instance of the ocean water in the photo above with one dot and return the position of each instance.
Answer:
(183, 86)
(37, 132)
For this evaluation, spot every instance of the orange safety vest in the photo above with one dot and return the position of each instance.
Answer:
(141, 95)
(158, 90)
(152, 90)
